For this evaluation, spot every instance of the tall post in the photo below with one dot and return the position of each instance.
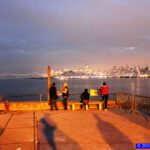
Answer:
(49, 82)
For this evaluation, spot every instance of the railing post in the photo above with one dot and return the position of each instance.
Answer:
(134, 104)
(117, 98)
(40, 97)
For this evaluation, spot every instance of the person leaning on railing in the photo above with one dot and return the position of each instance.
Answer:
(104, 89)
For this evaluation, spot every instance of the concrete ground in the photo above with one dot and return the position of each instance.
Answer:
(73, 130)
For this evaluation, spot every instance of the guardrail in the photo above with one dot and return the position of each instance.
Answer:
(134, 102)
(43, 97)
(25, 97)
(123, 100)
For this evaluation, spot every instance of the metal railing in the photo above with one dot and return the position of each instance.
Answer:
(123, 100)
(43, 97)
(142, 103)
(134, 102)
(25, 97)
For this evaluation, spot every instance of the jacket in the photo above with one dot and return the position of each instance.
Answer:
(85, 95)
(104, 90)
(53, 93)
(65, 92)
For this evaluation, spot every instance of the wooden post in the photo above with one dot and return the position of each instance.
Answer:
(49, 82)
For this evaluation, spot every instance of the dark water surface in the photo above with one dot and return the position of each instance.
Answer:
(24, 87)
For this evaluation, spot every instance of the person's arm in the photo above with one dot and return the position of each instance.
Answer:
(65, 90)
(81, 96)
(88, 96)
(56, 93)
(101, 92)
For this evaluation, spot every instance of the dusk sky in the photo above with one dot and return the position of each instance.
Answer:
(64, 33)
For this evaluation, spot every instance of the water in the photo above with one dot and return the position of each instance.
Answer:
(24, 87)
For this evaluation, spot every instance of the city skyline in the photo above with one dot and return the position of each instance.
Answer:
(35, 33)
(84, 72)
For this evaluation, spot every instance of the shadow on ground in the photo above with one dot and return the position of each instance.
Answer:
(139, 118)
(49, 133)
(113, 136)
(1, 130)
(51, 138)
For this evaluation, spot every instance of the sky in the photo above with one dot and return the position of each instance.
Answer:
(66, 33)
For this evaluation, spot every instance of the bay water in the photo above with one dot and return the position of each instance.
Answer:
(36, 89)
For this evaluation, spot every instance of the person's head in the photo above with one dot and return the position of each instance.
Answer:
(104, 83)
(65, 84)
(53, 84)
(86, 90)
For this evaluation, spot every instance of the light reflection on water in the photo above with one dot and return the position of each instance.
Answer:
(32, 86)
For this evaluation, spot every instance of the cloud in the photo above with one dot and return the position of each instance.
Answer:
(20, 52)
(131, 48)
(80, 30)
(61, 52)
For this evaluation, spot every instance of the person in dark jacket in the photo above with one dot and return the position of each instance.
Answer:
(104, 89)
(53, 97)
(85, 97)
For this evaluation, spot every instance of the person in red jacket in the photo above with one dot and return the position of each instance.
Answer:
(104, 93)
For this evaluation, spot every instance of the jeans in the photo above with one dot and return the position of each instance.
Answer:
(105, 99)
(65, 102)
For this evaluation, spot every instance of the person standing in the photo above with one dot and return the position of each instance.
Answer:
(85, 97)
(104, 89)
(53, 97)
(65, 93)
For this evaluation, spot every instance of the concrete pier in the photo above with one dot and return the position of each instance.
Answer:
(73, 130)
(43, 105)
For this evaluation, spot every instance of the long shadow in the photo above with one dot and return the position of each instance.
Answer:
(55, 138)
(140, 118)
(113, 136)
(1, 131)
(49, 133)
